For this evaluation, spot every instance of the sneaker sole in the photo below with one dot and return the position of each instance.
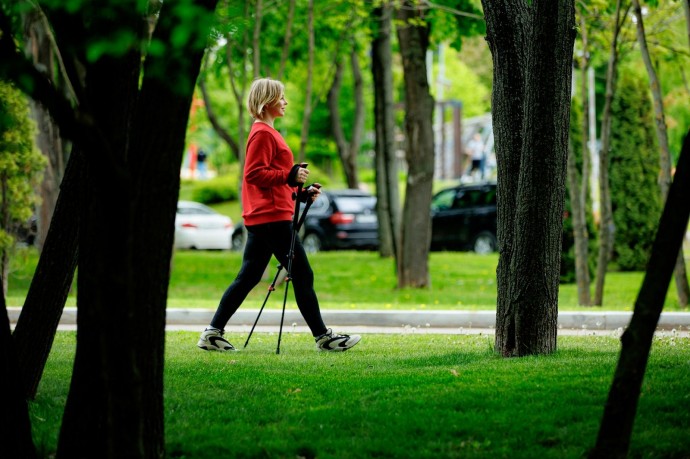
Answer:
(212, 348)
(340, 348)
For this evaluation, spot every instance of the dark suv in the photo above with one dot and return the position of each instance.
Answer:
(338, 219)
(464, 218)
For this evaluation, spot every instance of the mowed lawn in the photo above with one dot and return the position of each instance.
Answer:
(354, 280)
(395, 396)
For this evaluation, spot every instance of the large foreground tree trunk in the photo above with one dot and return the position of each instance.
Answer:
(532, 47)
(388, 200)
(413, 38)
(680, 273)
(15, 426)
(613, 440)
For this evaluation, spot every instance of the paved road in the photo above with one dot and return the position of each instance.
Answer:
(387, 321)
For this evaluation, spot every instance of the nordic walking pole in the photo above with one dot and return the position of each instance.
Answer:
(291, 255)
(271, 288)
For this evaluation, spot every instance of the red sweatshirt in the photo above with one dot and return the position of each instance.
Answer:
(266, 195)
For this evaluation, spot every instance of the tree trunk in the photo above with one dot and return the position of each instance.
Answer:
(606, 225)
(306, 116)
(579, 233)
(215, 122)
(680, 274)
(530, 44)
(578, 191)
(413, 39)
(616, 427)
(286, 39)
(387, 194)
(115, 403)
(51, 283)
(258, 16)
(347, 150)
(15, 425)
(48, 139)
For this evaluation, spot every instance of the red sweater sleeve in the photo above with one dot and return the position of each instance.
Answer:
(260, 168)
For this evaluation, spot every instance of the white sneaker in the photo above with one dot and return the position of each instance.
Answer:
(330, 341)
(212, 340)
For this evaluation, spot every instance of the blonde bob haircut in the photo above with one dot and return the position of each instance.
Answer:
(264, 92)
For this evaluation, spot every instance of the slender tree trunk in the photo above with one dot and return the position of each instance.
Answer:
(413, 39)
(15, 425)
(51, 283)
(347, 151)
(680, 273)
(215, 122)
(579, 233)
(388, 201)
(258, 16)
(306, 117)
(616, 427)
(286, 40)
(530, 43)
(606, 225)
(48, 139)
(578, 191)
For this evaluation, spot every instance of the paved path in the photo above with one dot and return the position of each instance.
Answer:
(389, 321)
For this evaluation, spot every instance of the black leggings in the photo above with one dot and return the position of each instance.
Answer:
(262, 242)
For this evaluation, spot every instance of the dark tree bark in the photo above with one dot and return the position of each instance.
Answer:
(413, 39)
(532, 47)
(132, 141)
(348, 151)
(616, 427)
(51, 283)
(606, 225)
(680, 273)
(387, 194)
(15, 425)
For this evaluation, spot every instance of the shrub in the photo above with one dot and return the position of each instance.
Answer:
(633, 172)
(218, 189)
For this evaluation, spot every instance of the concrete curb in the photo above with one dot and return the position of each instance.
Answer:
(588, 320)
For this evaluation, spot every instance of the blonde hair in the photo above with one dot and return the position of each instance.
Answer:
(263, 93)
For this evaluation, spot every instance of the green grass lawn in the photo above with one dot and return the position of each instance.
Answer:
(355, 280)
(402, 395)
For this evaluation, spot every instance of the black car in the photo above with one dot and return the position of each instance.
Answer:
(464, 218)
(338, 219)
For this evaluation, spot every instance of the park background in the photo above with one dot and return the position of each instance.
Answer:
(466, 76)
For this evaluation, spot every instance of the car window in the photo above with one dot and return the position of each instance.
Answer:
(443, 200)
(355, 203)
(194, 210)
(490, 197)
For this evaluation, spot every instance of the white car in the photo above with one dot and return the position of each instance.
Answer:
(200, 227)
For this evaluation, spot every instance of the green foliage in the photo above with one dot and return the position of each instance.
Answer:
(217, 189)
(634, 170)
(21, 164)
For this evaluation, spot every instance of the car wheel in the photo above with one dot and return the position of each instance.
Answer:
(311, 243)
(237, 242)
(484, 243)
